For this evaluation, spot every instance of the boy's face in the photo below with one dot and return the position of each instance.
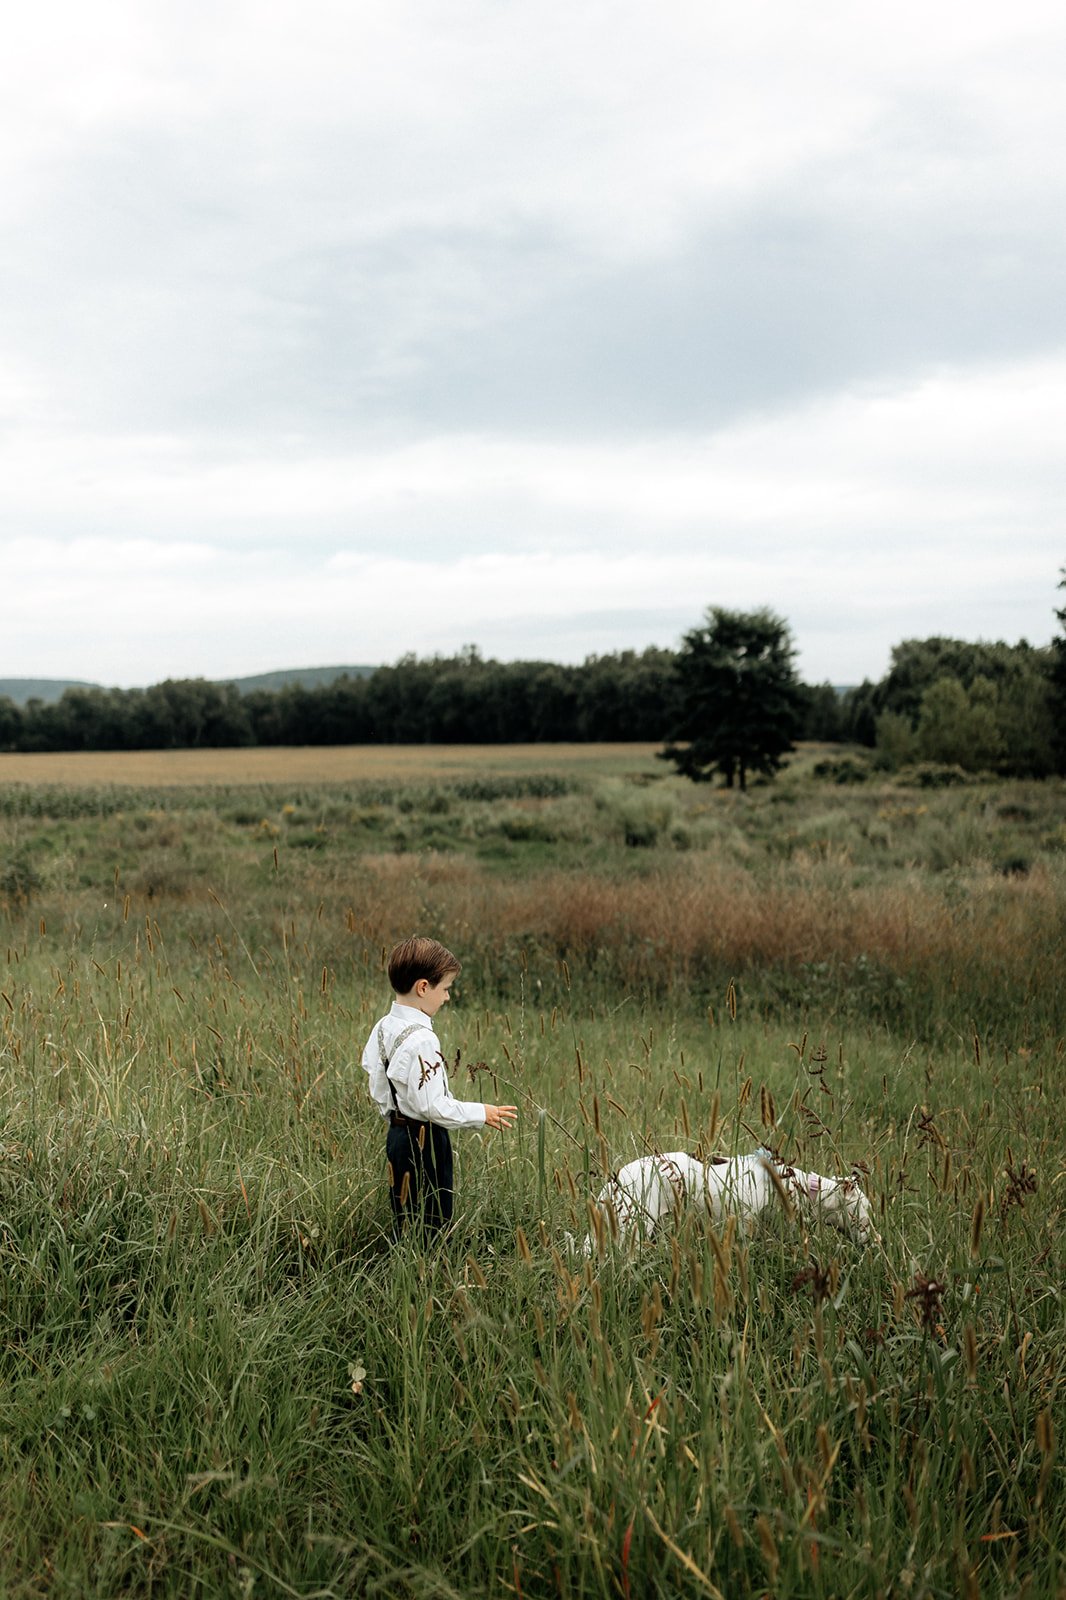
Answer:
(431, 996)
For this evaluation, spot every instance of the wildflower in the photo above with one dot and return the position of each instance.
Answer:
(929, 1293)
(819, 1278)
(1019, 1185)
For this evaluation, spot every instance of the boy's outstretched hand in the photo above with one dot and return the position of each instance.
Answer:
(500, 1116)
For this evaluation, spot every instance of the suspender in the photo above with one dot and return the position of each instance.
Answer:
(386, 1056)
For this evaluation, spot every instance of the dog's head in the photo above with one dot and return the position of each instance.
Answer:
(844, 1204)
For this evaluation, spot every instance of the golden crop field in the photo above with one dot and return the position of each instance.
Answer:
(317, 764)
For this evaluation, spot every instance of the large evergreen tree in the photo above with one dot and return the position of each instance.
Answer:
(740, 699)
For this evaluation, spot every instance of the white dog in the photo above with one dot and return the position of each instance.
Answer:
(645, 1191)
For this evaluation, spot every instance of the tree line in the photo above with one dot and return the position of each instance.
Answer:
(948, 703)
(728, 701)
(461, 699)
(982, 707)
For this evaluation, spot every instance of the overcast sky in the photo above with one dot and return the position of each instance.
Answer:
(335, 330)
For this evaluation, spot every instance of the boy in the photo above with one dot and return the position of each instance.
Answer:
(409, 1082)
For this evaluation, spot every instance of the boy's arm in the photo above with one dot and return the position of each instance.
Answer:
(379, 1085)
(425, 1093)
(428, 1093)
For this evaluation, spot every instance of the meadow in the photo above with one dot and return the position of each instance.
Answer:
(219, 1379)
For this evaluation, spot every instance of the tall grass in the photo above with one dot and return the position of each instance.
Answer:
(219, 1378)
(926, 912)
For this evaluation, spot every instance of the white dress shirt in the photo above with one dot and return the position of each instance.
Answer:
(417, 1071)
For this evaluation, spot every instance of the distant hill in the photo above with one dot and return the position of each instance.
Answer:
(306, 677)
(23, 690)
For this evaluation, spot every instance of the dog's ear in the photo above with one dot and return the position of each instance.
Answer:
(850, 1185)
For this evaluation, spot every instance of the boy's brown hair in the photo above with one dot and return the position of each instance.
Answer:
(420, 958)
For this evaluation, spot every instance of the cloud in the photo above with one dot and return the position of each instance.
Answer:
(440, 217)
(862, 520)
(968, 447)
(591, 315)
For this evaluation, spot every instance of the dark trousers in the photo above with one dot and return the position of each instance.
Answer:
(420, 1176)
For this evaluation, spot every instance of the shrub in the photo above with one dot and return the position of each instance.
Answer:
(524, 786)
(895, 740)
(526, 826)
(643, 816)
(19, 882)
(827, 833)
(934, 775)
(843, 769)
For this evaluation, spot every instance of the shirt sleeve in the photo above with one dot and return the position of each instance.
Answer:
(421, 1080)
(379, 1086)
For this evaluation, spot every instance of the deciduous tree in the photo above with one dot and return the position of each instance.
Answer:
(1057, 677)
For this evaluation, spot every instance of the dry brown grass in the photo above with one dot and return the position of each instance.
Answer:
(318, 764)
(685, 922)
